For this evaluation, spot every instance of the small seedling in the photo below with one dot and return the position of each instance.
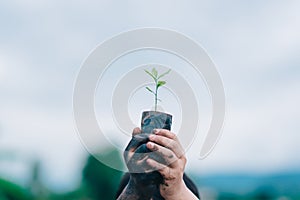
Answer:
(158, 83)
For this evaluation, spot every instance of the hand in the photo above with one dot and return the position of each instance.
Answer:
(167, 145)
(167, 157)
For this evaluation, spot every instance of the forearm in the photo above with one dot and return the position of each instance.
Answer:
(181, 193)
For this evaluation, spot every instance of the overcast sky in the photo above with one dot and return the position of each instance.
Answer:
(255, 48)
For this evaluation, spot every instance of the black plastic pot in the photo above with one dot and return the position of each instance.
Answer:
(153, 119)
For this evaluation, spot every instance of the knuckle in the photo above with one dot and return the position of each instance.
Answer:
(183, 158)
(173, 136)
(173, 144)
(170, 155)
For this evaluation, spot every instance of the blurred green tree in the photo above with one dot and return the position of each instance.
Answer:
(101, 181)
(11, 191)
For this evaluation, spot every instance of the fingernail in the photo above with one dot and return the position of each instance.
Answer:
(151, 145)
(155, 131)
(151, 137)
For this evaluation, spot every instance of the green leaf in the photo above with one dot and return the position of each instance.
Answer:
(160, 83)
(162, 75)
(149, 90)
(154, 72)
(150, 74)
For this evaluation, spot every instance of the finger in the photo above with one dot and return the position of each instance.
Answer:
(166, 133)
(161, 154)
(171, 144)
(155, 165)
(164, 170)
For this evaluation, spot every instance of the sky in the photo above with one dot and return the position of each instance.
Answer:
(254, 47)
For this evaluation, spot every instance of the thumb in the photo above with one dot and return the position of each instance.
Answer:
(136, 131)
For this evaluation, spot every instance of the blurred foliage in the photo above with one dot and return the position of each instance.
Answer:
(100, 182)
(11, 191)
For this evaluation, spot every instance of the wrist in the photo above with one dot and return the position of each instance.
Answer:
(174, 193)
(182, 192)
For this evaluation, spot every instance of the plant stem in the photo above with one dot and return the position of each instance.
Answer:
(154, 74)
(156, 89)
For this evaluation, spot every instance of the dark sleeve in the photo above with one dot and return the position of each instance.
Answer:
(123, 183)
(189, 183)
